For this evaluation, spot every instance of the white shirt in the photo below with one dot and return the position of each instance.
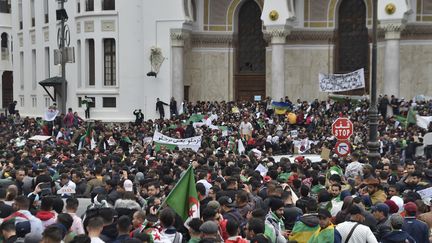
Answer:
(96, 240)
(246, 128)
(361, 234)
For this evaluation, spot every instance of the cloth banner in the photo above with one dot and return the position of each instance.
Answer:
(423, 121)
(51, 114)
(193, 143)
(341, 82)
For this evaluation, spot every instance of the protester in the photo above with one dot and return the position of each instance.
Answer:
(246, 186)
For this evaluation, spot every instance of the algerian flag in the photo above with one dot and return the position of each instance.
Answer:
(183, 199)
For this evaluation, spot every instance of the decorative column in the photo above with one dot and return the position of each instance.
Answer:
(278, 36)
(177, 46)
(391, 59)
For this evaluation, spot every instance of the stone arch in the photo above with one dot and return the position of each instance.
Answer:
(250, 51)
(352, 40)
(333, 10)
(4, 40)
(233, 11)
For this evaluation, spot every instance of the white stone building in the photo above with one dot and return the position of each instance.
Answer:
(214, 50)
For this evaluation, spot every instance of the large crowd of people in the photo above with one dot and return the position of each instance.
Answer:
(245, 194)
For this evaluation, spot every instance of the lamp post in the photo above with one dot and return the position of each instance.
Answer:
(63, 60)
(373, 144)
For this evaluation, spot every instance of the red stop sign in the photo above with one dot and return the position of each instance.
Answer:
(342, 128)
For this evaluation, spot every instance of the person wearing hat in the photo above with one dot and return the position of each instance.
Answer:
(209, 231)
(353, 231)
(274, 219)
(376, 194)
(326, 231)
(416, 228)
(381, 213)
(397, 234)
(305, 227)
(229, 210)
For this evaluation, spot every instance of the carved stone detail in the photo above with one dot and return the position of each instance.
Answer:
(108, 25)
(89, 26)
(392, 30)
(178, 37)
(276, 35)
(211, 40)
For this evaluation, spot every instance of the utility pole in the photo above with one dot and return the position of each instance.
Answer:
(373, 144)
(63, 59)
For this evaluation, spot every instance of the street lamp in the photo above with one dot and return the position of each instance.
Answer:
(61, 40)
(373, 144)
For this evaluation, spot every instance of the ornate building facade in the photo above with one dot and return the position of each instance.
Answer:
(214, 50)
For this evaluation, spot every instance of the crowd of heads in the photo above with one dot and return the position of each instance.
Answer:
(127, 176)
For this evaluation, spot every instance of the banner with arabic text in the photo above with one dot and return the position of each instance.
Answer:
(193, 143)
(341, 82)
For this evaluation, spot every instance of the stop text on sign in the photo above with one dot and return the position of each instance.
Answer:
(342, 128)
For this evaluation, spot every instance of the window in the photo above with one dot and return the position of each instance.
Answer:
(32, 9)
(89, 5)
(108, 5)
(110, 62)
(47, 101)
(4, 46)
(34, 69)
(91, 62)
(109, 102)
(79, 63)
(5, 6)
(20, 14)
(46, 11)
(78, 7)
(34, 101)
(21, 100)
(47, 62)
(79, 102)
(22, 70)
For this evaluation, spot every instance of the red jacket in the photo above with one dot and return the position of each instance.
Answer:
(236, 239)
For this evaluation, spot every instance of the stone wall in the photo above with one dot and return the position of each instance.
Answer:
(209, 73)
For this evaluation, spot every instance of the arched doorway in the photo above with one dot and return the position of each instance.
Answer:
(7, 88)
(352, 41)
(250, 55)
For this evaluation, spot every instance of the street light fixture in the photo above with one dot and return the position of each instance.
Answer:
(373, 144)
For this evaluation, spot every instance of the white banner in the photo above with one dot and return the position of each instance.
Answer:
(341, 82)
(193, 143)
(423, 121)
(51, 114)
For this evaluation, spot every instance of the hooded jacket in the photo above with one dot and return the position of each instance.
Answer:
(397, 237)
(304, 228)
(47, 217)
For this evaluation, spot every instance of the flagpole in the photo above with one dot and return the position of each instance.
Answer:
(164, 202)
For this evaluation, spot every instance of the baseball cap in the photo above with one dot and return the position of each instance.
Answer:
(410, 208)
(128, 186)
(209, 227)
(324, 213)
(355, 210)
(396, 221)
(213, 204)
(394, 208)
(381, 207)
(226, 201)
